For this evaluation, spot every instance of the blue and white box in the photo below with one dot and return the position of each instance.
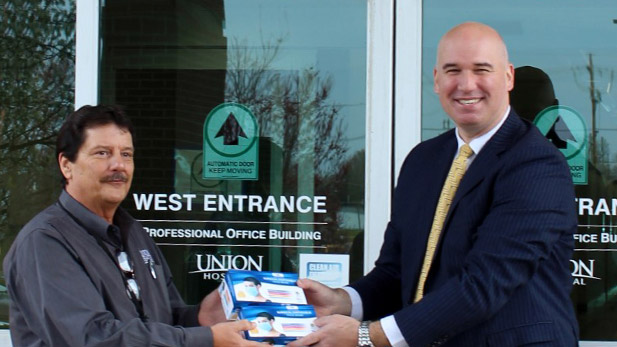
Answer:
(242, 288)
(279, 324)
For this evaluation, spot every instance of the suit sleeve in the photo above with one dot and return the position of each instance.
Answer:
(380, 289)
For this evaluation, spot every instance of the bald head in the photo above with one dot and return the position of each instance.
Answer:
(470, 32)
(473, 77)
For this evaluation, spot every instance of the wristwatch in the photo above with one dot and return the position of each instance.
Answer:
(364, 336)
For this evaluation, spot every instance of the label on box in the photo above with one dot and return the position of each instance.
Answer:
(242, 288)
(279, 323)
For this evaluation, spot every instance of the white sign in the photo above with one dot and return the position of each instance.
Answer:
(329, 269)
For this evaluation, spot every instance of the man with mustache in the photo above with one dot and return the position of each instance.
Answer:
(84, 273)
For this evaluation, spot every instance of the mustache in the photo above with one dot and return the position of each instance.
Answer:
(115, 177)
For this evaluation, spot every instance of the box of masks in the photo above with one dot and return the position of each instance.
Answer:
(278, 324)
(242, 288)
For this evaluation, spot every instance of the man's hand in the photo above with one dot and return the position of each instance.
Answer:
(230, 334)
(211, 310)
(337, 330)
(327, 301)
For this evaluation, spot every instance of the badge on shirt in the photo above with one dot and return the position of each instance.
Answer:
(148, 260)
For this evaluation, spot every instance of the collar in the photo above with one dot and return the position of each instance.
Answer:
(477, 143)
(91, 222)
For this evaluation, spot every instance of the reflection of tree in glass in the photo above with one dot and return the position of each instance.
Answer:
(597, 81)
(36, 93)
(294, 111)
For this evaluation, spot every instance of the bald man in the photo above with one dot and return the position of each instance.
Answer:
(499, 273)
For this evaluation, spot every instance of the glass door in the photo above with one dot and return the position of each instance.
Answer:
(251, 123)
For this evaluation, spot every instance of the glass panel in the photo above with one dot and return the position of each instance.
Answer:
(299, 70)
(36, 93)
(574, 49)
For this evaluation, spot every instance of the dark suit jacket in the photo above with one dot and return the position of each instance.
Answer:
(501, 272)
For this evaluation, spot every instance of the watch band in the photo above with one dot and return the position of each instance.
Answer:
(364, 336)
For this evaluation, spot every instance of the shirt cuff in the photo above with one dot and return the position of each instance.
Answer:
(198, 336)
(357, 311)
(392, 331)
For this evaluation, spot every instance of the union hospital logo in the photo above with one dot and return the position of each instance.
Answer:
(214, 267)
(582, 271)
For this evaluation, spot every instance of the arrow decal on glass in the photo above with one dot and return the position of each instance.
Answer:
(231, 130)
(559, 133)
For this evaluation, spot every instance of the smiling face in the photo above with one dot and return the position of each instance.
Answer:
(101, 175)
(473, 78)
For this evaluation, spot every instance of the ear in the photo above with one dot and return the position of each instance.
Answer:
(510, 77)
(66, 167)
(435, 84)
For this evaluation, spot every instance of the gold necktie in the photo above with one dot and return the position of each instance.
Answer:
(445, 199)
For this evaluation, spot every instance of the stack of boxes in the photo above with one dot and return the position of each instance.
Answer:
(270, 299)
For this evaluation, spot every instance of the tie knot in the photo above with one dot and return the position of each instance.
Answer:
(465, 151)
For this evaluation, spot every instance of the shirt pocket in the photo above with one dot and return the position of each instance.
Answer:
(537, 334)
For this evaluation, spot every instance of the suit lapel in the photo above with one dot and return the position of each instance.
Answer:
(488, 157)
(438, 162)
